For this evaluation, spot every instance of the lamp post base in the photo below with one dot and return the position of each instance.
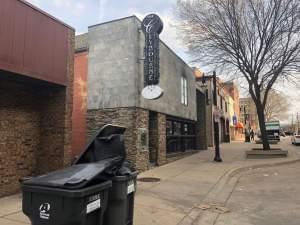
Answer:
(218, 159)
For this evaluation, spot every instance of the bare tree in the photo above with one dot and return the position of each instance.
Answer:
(277, 106)
(257, 39)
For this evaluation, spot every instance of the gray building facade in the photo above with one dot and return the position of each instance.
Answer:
(158, 131)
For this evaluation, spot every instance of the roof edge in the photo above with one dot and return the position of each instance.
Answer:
(115, 20)
(46, 14)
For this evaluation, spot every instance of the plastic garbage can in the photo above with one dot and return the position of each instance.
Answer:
(72, 196)
(120, 208)
(109, 142)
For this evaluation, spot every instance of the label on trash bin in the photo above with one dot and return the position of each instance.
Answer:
(45, 211)
(130, 187)
(93, 206)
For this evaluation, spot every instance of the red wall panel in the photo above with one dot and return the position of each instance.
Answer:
(32, 43)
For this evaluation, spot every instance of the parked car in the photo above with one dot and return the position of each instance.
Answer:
(289, 133)
(296, 139)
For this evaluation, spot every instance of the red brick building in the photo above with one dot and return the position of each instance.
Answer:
(36, 83)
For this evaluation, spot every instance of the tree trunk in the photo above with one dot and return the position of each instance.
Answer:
(262, 125)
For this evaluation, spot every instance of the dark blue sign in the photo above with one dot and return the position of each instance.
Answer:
(152, 26)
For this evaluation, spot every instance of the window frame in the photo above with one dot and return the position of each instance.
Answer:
(184, 90)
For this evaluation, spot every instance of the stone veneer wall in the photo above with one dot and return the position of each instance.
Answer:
(162, 139)
(31, 132)
(157, 139)
(131, 118)
(135, 119)
(153, 137)
(19, 135)
(35, 126)
(50, 151)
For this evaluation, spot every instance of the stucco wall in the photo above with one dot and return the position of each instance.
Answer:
(116, 71)
(112, 67)
(172, 68)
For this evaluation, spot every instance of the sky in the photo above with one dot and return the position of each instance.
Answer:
(83, 13)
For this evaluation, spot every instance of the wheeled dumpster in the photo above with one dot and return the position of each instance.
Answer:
(99, 179)
(109, 142)
(72, 196)
(121, 200)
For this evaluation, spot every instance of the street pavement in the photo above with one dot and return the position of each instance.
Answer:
(188, 185)
(265, 196)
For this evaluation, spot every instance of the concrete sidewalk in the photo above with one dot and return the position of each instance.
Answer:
(183, 186)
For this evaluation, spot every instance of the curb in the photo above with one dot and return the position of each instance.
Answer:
(222, 191)
(241, 169)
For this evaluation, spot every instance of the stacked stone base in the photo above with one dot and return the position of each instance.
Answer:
(136, 120)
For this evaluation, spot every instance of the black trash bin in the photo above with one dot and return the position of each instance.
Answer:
(72, 196)
(109, 142)
(120, 209)
(79, 195)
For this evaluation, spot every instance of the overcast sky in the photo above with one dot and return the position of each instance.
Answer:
(82, 13)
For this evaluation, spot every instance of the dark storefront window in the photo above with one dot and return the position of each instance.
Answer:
(180, 135)
(207, 97)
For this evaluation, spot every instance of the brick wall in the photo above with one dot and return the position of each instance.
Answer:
(50, 153)
(35, 126)
(31, 131)
(19, 135)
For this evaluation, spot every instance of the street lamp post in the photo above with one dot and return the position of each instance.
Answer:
(216, 121)
(216, 116)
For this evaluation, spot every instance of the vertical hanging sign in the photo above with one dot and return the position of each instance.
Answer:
(152, 26)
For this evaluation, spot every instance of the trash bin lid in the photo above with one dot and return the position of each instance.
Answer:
(107, 143)
(74, 177)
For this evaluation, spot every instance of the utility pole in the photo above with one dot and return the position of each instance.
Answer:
(216, 121)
